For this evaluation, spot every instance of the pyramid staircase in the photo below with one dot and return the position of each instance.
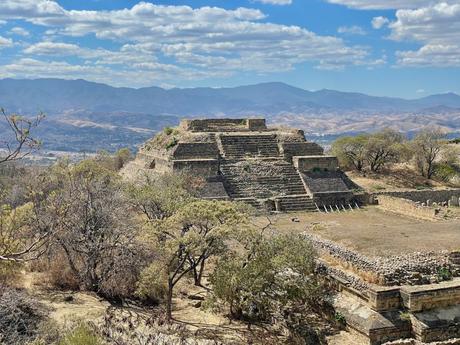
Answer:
(253, 181)
(249, 146)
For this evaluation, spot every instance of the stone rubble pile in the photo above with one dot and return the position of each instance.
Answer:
(348, 279)
(413, 269)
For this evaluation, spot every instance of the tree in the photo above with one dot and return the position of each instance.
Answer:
(191, 236)
(18, 240)
(89, 217)
(20, 142)
(272, 276)
(427, 147)
(351, 151)
(14, 245)
(159, 197)
(382, 148)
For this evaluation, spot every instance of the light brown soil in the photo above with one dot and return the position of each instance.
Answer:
(68, 307)
(374, 232)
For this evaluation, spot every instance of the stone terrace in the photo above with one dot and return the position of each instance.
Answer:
(397, 277)
(265, 167)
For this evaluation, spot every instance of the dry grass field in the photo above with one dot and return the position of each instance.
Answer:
(374, 232)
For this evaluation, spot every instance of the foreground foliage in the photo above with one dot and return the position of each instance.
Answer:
(271, 280)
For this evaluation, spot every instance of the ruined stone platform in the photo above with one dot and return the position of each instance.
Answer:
(275, 169)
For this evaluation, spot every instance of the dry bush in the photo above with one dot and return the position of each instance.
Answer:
(76, 332)
(10, 274)
(20, 317)
(59, 275)
(123, 327)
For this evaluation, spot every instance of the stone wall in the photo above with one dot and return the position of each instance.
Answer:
(157, 163)
(214, 190)
(406, 207)
(437, 196)
(223, 125)
(202, 167)
(333, 198)
(291, 149)
(426, 297)
(196, 150)
(256, 124)
(313, 163)
(384, 298)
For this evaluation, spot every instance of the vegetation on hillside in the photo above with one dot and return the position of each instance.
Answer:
(82, 228)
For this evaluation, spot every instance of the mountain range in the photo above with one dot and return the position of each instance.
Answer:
(83, 115)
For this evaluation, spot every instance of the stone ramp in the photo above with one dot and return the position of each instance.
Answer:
(249, 146)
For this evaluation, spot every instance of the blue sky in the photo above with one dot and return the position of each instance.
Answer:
(406, 48)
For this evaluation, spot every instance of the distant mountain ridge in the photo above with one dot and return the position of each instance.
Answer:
(87, 116)
(57, 95)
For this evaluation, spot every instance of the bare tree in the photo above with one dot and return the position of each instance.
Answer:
(20, 142)
(91, 225)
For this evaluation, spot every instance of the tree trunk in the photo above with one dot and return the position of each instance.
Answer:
(196, 277)
(200, 273)
(169, 301)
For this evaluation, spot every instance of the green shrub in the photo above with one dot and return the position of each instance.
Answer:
(445, 172)
(81, 335)
(171, 143)
(444, 274)
(404, 315)
(168, 130)
(151, 286)
(340, 318)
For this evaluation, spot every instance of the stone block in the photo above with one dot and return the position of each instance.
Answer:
(384, 298)
(312, 163)
(427, 297)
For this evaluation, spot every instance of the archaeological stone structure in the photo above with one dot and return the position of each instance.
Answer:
(275, 169)
(407, 299)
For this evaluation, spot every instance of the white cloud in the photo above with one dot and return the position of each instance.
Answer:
(31, 68)
(2, 22)
(379, 22)
(437, 55)
(383, 4)
(200, 42)
(19, 31)
(351, 30)
(437, 23)
(275, 2)
(5, 42)
(436, 27)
